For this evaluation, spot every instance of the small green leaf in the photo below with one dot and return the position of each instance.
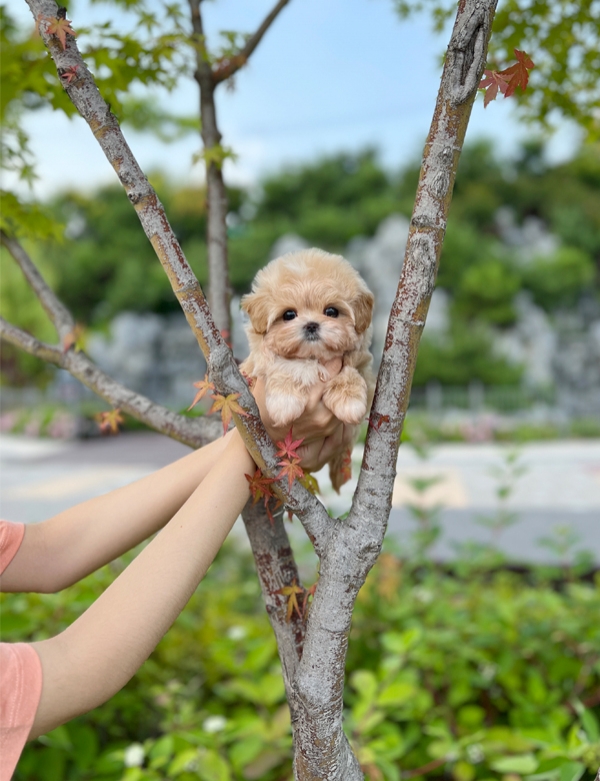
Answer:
(571, 771)
(526, 763)
(365, 683)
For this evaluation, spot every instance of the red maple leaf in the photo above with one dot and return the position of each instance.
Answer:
(227, 406)
(289, 447)
(290, 468)
(380, 420)
(203, 386)
(492, 82)
(110, 421)
(518, 74)
(260, 488)
(60, 28)
(506, 81)
(69, 73)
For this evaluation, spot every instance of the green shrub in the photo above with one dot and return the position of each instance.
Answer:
(558, 280)
(480, 678)
(20, 307)
(486, 292)
(465, 354)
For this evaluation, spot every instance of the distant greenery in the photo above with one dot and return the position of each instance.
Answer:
(105, 265)
(483, 677)
(462, 355)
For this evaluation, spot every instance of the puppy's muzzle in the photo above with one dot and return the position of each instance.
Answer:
(311, 332)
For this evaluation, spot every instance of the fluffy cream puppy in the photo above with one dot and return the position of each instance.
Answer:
(306, 310)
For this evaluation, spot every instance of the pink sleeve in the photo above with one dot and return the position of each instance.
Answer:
(20, 691)
(11, 536)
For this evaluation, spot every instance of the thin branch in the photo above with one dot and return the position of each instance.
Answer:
(421, 771)
(194, 432)
(216, 193)
(15, 336)
(226, 69)
(57, 312)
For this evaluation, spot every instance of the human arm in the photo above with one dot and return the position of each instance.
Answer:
(92, 659)
(60, 551)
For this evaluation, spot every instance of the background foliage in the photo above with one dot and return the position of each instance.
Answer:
(329, 202)
(477, 677)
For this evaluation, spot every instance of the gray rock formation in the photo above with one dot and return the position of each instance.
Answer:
(379, 261)
(154, 355)
(289, 242)
(532, 343)
(576, 363)
(530, 240)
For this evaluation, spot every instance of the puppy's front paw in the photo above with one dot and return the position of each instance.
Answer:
(283, 408)
(350, 411)
(346, 397)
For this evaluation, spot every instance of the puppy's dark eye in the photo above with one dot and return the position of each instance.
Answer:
(331, 311)
(289, 314)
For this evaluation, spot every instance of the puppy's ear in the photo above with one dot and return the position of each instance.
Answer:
(258, 305)
(363, 310)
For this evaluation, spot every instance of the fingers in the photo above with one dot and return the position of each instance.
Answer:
(315, 423)
(315, 455)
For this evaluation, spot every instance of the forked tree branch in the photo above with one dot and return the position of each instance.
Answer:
(349, 548)
(228, 68)
(57, 312)
(274, 558)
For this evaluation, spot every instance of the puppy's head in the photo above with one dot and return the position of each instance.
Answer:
(308, 304)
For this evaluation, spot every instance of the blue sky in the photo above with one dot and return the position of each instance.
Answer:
(329, 75)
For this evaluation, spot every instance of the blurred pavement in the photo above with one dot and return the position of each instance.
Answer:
(559, 486)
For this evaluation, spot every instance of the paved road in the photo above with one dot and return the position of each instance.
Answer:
(557, 485)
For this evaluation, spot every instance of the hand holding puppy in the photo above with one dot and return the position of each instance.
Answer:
(323, 435)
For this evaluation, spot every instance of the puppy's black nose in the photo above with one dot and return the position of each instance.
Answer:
(311, 332)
